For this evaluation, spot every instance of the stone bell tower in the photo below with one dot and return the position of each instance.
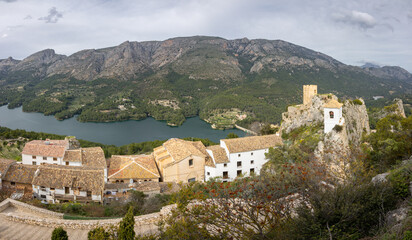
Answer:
(308, 92)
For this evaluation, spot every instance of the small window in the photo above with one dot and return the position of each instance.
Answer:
(33, 163)
(67, 190)
(42, 196)
(208, 173)
(252, 161)
(331, 114)
(67, 163)
(239, 173)
(54, 159)
(239, 164)
(13, 183)
(190, 162)
(225, 175)
(252, 171)
(225, 165)
(89, 193)
(238, 155)
(52, 188)
(33, 157)
(191, 179)
(44, 158)
(251, 154)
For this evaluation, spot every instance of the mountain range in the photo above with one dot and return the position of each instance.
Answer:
(223, 81)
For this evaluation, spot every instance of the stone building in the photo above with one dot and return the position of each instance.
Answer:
(4, 167)
(54, 183)
(181, 161)
(19, 177)
(132, 168)
(239, 156)
(308, 92)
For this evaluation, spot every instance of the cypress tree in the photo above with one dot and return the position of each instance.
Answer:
(126, 227)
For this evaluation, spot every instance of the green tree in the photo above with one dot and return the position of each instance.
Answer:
(98, 234)
(59, 234)
(232, 135)
(126, 227)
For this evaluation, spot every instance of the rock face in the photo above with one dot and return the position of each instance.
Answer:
(334, 149)
(300, 115)
(356, 120)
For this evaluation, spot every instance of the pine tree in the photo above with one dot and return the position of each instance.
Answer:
(126, 228)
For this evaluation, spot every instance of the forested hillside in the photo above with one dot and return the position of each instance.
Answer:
(181, 77)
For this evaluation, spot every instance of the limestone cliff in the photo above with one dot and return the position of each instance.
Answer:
(356, 120)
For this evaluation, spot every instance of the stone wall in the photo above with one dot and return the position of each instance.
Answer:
(46, 218)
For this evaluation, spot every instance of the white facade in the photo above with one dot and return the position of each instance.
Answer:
(38, 160)
(332, 117)
(240, 164)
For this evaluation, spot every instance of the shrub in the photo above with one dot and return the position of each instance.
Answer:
(357, 102)
(400, 179)
(98, 234)
(338, 128)
(59, 234)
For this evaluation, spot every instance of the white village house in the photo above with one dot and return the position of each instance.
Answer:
(332, 115)
(239, 156)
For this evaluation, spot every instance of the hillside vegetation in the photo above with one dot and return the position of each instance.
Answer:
(183, 77)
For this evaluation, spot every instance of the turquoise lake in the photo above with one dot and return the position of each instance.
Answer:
(116, 133)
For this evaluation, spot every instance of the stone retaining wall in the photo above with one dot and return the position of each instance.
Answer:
(54, 220)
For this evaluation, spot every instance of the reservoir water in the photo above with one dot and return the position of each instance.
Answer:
(116, 133)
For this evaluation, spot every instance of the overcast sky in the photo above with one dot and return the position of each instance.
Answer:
(353, 32)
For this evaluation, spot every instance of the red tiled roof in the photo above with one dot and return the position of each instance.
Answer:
(55, 148)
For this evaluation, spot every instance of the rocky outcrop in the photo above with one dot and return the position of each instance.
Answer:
(356, 120)
(301, 115)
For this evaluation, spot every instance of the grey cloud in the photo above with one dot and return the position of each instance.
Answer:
(409, 16)
(359, 19)
(28, 17)
(8, 1)
(53, 16)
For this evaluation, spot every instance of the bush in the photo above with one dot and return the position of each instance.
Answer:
(59, 234)
(357, 102)
(338, 128)
(400, 179)
(98, 234)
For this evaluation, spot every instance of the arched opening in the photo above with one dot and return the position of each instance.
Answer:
(331, 114)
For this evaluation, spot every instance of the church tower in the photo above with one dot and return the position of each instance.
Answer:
(308, 92)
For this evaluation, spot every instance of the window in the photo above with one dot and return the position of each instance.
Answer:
(225, 175)
(331, 114)
(33, 157)
(67, 190)
(191, 179)
(190, 162)
(252, 161)
(208, 173)
(239, 164)
(44, 158)
(225, 165)
(42, 196)
(52, 188)
(33, 163)
(89, 193)
(239, 173)
(54, 159)
(13, 183)
(238, 155)
(67, 163)
(251, 154)
(252, 171)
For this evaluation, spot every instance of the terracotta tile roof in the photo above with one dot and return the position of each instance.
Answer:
(4, 166)
(246, 144)
(58, 176)
(92, 157)
(20, 173)
(180, 149)
(219, 154)
(56, 148)
(147, 186)
(332, 103)
(209, 162)
(133, 167)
